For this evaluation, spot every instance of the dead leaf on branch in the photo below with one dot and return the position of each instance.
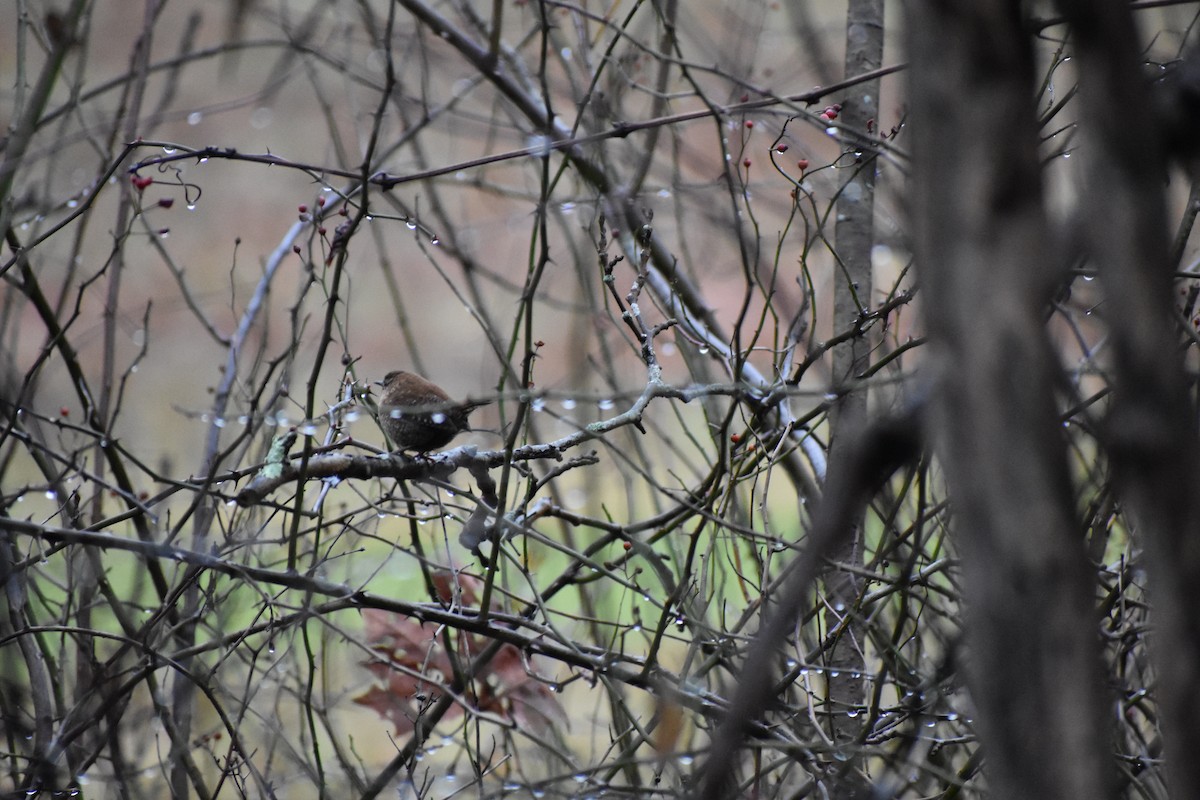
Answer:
(413, 669)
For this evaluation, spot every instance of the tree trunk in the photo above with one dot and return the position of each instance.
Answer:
(988, 272)
(855, 236)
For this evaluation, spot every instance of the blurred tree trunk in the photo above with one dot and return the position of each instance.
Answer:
(988, 270)
(1151, 433)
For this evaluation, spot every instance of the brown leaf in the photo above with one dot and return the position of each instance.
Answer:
(412, 667)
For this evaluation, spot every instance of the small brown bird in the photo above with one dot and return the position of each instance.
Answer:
(418, 415)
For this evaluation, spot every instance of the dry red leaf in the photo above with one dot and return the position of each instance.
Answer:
(413, 669)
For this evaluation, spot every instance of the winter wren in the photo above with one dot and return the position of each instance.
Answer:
(417, 415)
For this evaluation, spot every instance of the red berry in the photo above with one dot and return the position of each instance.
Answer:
(802, 164)
(749, 123)
(746, 163)
(166, 202)
(303, 209)
(783, 148)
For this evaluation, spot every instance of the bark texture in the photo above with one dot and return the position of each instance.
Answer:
(987, 269)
